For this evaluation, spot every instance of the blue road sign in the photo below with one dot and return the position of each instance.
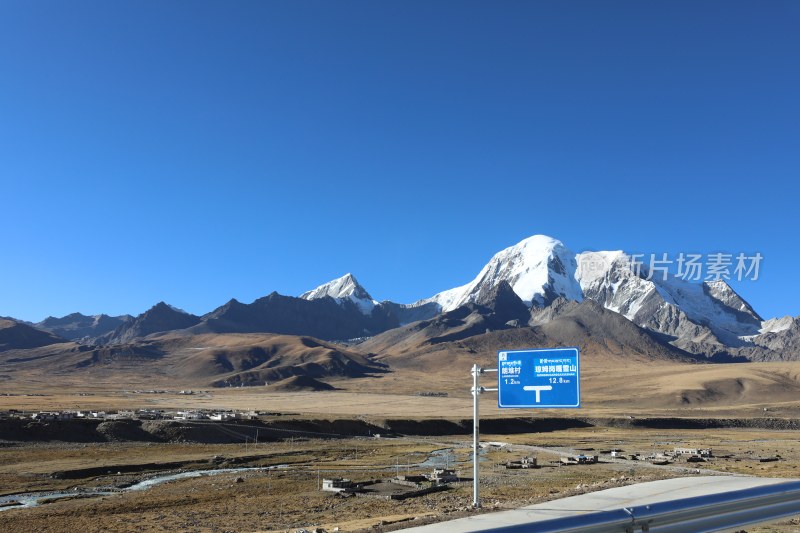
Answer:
(547, 377)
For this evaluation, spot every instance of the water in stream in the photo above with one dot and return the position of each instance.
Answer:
(441, 458)
(32, 499)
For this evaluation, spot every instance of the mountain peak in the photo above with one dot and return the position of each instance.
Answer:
(727, 296)
(160, 317)
(504, 302)
(664, 302)
(52, 321)
(164, 306)
(538, 241)
(344, 288)
(539, 269)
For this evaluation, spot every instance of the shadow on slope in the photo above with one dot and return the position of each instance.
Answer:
(250, 359)
(15, 335)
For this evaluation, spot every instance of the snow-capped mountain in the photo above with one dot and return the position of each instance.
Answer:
(539, 273)
(781, 336)
(700, 317)
(670, 305)
(539, 269)
(776, 325)
(341, 289)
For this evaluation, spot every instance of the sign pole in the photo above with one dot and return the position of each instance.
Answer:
(523, 377)
(476, 371)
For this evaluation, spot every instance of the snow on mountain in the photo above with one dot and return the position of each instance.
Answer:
(669, 305)
(781, 335)
(539, 269)
(701, 316)
(341, 289)
(723, 293)
(776, 325)
(715, 304)
(593, 266)
(607, 278)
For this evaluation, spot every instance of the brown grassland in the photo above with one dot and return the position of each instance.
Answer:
(286, 499)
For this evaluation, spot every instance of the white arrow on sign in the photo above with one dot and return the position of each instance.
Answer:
(538, 389)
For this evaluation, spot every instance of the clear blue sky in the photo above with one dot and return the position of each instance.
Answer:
(194, 151)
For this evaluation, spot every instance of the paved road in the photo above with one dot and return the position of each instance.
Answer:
(604, 500)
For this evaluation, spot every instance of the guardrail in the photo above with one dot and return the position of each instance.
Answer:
(726, 511)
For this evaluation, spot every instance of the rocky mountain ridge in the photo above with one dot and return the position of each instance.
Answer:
(543, 275)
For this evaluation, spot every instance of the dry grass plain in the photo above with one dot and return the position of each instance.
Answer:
(287, 499)
(610, 386)
(283, 500)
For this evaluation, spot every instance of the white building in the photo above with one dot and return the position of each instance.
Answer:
(336, 484)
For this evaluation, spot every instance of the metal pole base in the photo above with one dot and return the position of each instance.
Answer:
(476, 390)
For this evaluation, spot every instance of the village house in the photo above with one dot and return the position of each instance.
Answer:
(443, 475)
(337, 484)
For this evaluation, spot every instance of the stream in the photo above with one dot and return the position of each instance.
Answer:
(441, 458)
(33, 499)
(446, 458)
